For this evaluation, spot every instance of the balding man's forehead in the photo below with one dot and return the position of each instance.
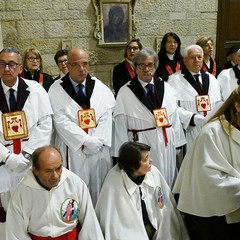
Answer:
(77, 54)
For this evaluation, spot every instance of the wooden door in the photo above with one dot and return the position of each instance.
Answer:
(228, 27)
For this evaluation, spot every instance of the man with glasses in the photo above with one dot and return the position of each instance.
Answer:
(61, 61)
(123, 72)
(26, 121)
(82, 107)
(197, 92)
(146, 111)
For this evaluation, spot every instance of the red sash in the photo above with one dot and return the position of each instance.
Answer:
(72, 235)
(170, 71)
(41, 78)
(129, 68)
(214, 68)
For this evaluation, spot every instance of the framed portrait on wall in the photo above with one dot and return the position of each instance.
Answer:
(114, 25)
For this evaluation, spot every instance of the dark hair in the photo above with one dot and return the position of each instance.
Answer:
(130, 156)
(116, 10)
(12, 50)
(36, 154)
(59, 54)
(162, 55)
(137, 40)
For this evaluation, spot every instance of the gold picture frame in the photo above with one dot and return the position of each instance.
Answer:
(115, 24)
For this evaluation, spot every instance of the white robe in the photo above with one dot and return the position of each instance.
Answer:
(227, 81)
(209, 178)
(70, 137)
(119, 208)
(38, 211)
(131, 113)
(186, 98)
(38, 112)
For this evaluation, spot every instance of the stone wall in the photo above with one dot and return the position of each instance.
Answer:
(47, 24)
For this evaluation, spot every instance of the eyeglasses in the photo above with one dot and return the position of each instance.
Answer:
(78, 64)
(32, 59)
(132, 48)
(61, 62)
(11, 65)
(143, 66)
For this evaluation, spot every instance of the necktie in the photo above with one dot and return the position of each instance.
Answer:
(149, 228)
(151, 95)
(12, 100)
(199, 85)
(81, 95)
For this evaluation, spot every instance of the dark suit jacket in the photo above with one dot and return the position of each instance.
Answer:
(47, 79)
(120, 76)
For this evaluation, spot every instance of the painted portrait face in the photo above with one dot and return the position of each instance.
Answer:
(145, 69)
(145, 164)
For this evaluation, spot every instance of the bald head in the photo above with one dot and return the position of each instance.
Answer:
(47, 166)
(78, 64)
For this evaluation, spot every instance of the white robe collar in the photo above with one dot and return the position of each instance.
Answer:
(131, 187)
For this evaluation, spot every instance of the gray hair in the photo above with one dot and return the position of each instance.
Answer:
(238, 52)
(191, 47)
(144, 53)
(12, 50)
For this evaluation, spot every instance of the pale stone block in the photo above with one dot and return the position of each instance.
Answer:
(41, 15)
(30, 29)
(2, 5)
(28, 4)
(206, 5)
(177, 15)
(10, 16)
(183, 5)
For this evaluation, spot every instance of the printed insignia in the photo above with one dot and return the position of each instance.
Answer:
(203, 103)
(87, 118)
(69, 210)
(14, 125)
(159, 197)
(161, 117)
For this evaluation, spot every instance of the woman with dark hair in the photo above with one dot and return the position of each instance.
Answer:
(33, 68)
(135, 201)
(123, 72)
(170, 58)
(209, 178)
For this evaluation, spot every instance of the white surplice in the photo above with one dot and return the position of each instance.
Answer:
(186, 98)
(39, 211)
(209, 178)
(227, 81)
(131, 113)
(70, 137)
(38, 113)
(119, 208)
